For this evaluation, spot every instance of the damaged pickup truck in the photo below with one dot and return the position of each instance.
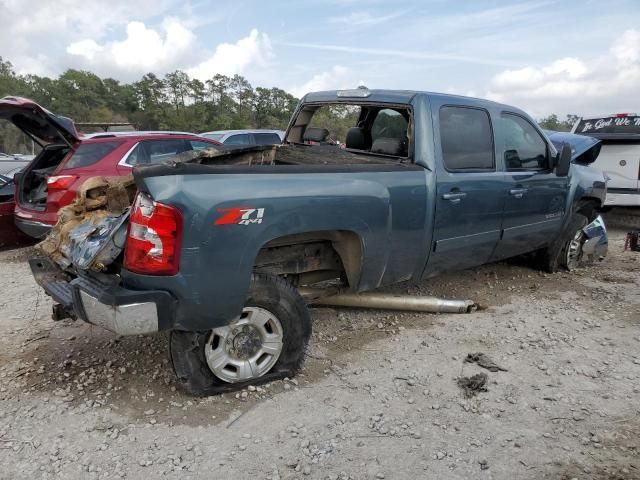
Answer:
(217, 248)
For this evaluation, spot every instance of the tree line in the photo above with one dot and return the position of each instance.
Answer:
(552, 122)
(172, 102)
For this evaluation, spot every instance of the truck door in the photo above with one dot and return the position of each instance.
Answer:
(469, 199)
(534, 197)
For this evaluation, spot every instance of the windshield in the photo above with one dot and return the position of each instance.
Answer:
(213, 136)
(629, 124)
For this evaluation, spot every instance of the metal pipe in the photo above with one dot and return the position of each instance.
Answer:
(317, 296)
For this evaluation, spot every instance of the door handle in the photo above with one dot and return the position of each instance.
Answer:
(518, 192)
(454, 197)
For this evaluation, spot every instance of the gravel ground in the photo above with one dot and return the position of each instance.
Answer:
(377, 398)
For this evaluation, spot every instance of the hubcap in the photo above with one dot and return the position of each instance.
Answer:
(574, 251)
(247, 348)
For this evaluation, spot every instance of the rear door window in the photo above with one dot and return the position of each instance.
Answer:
(239, 139)
(524, 148)
(90, 153)
(138, 155)
(267, 138)
(466, 139)
(157, 151)
(162, 150)
(7, 188)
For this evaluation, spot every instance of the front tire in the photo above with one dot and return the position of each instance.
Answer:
(566, 252)
(268, 340)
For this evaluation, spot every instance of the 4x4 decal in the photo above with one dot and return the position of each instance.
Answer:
(240, 216)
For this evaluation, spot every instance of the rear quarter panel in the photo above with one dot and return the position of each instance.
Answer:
(385, 209)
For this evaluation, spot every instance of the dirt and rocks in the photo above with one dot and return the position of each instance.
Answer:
(378, 397)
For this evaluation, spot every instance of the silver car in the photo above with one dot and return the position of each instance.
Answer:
(246, 137)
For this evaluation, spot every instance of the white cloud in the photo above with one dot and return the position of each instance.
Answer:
(144, 49)
(339, 77)
(359, 19)
(85, 48)
(230, 58)
(396, 54)
(627, 49)
(36, 32)
(574, 85)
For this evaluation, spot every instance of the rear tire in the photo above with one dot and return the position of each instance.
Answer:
(566, 252)
(199, 358)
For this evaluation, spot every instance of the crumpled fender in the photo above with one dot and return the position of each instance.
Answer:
(596, 245)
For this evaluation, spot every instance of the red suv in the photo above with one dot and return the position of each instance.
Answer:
(68, 159)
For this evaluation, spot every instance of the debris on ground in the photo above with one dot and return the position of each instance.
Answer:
(472, 385)
(78, 402)
(484, 361)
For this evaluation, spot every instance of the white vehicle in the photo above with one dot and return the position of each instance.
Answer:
(246, 137)
(620, 154)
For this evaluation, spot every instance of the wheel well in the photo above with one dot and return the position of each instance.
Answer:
(589, 207)
(312, 257)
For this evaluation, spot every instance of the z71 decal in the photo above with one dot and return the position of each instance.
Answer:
(240, 216)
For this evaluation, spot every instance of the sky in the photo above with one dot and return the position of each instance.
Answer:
(545, 56)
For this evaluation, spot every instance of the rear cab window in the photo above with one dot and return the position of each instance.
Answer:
(89, 153)
(380, 130)
(466, 138)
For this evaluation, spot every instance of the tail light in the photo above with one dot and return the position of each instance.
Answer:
(153, 239)
(60, 182)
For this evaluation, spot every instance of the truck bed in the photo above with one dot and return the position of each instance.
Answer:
(290, 154)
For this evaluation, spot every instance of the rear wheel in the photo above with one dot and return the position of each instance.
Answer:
(268, 340)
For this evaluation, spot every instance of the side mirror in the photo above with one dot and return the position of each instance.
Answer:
(563, 162)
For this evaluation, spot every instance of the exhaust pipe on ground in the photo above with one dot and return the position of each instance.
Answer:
(318, 296)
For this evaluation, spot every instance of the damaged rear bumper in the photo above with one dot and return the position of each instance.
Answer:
(118, 309)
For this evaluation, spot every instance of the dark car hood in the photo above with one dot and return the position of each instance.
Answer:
(38, 122)
(584, 149)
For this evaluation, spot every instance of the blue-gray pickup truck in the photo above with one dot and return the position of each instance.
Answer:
(369, 188)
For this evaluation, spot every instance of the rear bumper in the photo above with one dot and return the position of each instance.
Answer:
(110, 306)
(33, 228)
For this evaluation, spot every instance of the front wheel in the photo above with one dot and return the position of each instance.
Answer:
(566, 252)
(267, 340)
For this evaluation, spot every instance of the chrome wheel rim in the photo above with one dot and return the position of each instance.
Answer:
(247, 348)
(574, 251)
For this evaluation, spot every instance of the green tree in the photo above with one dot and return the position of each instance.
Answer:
(552, 122)
(174, 102)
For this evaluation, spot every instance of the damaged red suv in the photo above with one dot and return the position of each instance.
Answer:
(68, 159)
